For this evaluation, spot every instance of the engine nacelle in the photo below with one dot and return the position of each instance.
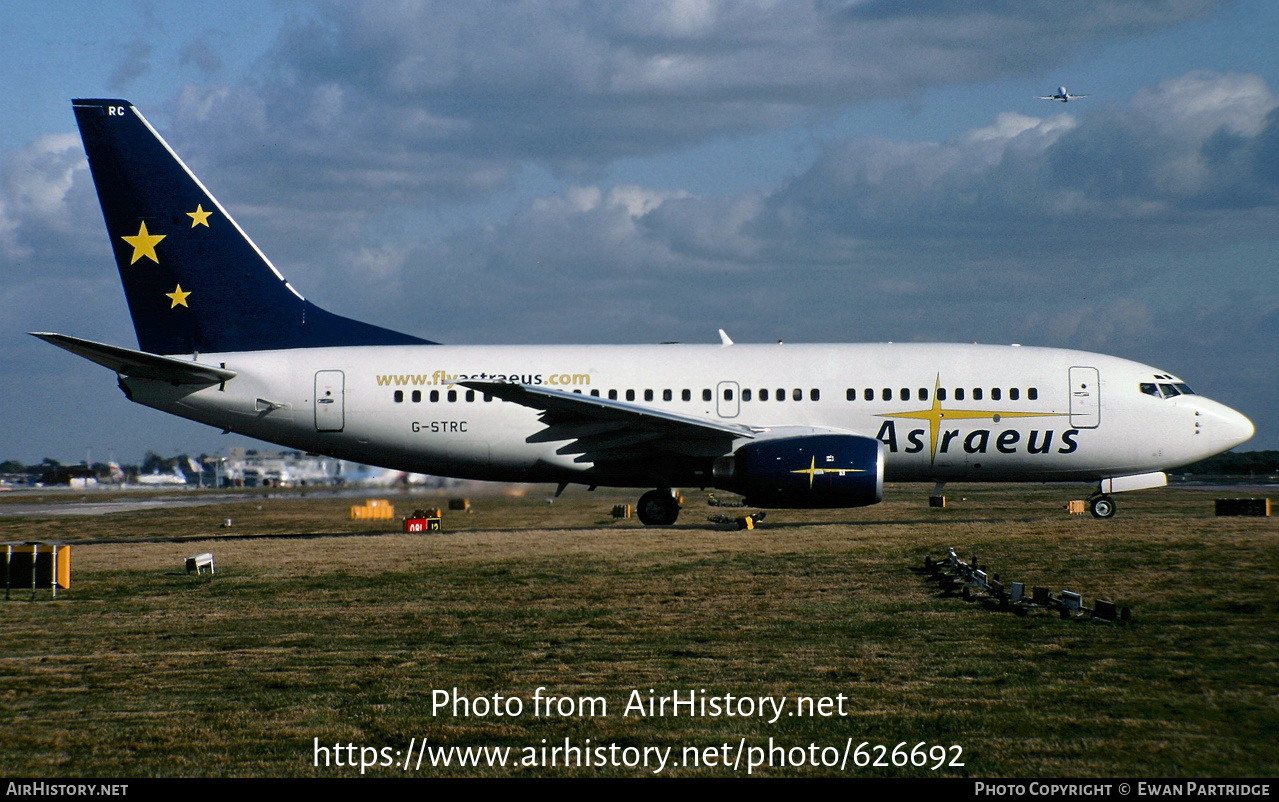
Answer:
(817, 470)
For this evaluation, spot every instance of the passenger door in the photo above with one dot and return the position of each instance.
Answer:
(1085, 398)
(330, 389)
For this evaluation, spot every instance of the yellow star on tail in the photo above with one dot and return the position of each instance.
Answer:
(199, 217)
(144, 244)
(179, 297)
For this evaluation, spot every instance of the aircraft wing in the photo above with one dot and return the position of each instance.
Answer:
(602, 430)
(127, 362)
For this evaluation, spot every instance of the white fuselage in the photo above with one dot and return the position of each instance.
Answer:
(943, 412)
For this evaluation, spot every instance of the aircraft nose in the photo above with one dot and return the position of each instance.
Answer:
(1229, 428)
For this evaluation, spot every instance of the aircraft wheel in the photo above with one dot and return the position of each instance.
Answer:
(1102, 507)
(657, 508)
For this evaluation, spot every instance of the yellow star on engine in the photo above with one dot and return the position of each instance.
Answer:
(179, 297)
(199, 217)
(144, 244)
(813, 471)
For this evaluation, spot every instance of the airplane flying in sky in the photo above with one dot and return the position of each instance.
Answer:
(1062, 95)
(225, 340)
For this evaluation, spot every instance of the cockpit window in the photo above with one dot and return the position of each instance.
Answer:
(1162, 390)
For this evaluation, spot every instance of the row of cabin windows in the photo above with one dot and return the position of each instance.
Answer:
(434, 396)
(708, 395)
(796, 394)
(960, 394)
(667, 395)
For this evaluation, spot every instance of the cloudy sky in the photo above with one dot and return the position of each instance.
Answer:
(561, 171)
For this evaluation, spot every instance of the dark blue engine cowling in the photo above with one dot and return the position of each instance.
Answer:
(820, 470)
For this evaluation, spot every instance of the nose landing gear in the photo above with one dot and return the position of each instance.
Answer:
(1102, 506)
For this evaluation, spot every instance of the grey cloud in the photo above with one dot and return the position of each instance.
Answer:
(1005, 233)
(45, 199)
(201, 54)
(446, 100)
(1169, 164)
(133, 63)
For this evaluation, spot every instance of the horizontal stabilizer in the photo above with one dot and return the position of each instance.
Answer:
(140, 364)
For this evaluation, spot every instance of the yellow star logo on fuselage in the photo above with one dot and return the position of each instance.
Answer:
(935, 414)
(199, 217)
(179, 297)
(144, 244)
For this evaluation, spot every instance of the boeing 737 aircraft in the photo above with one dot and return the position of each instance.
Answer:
(225, 340)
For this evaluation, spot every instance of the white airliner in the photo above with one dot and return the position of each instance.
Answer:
(226, 341)
(1062, 95)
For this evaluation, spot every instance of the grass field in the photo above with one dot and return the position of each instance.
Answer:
(318, 627)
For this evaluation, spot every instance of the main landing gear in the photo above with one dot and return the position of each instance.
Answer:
(658, 507)
(1101, 506)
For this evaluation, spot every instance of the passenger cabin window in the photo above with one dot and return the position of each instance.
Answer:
(1033, 394)
(887, 395)
(470, 395)
(976, 393)
(814, 395)
(959, 393)
(763, 394)
(612, 395)
(746, 395)
(667, 396)
(452, 396)
(399, 396)
(648, 395)
(630, 395)
(923, 394)
(728, 394)
(1014, 394)
(706, 395)
(435, 396)
(687, 395)
(869, 394)
(851, 395)
(904, 394)
(996, 394)
(797, 394)
(941, 393)
(417, 396)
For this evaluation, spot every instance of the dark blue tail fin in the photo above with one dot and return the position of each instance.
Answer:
(193, 279)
